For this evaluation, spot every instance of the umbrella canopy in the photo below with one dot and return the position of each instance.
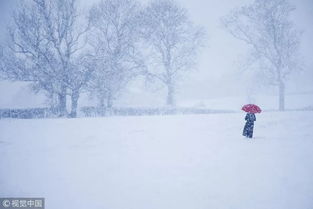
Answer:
(251, 108)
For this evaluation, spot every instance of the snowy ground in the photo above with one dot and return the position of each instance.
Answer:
(169, 162)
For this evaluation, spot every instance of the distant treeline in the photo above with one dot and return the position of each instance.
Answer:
(32, 113)
(29, 113)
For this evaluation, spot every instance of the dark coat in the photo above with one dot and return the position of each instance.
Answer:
(248, 129)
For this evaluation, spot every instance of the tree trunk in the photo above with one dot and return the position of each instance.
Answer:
(74, 100)
(170, 94)
(109, 105)
(281, 96)
(109, 100)
(62, 102)
(101, 108)
(101, 101)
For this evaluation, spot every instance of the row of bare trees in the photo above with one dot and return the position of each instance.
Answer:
(64, 52)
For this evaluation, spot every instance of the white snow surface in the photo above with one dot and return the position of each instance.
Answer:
(160, 162)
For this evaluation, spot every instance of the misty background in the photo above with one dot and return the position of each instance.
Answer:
(219, 72)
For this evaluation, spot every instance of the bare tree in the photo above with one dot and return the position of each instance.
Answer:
(46, 38)
(173, 41)
(114, 37)
(80, 74)
(265, 25)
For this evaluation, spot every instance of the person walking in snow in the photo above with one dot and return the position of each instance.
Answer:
(248, 129)
(250, 109)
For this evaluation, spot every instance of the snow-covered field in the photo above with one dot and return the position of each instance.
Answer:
(160, 162)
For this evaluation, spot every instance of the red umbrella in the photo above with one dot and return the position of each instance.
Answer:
(251, 108)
